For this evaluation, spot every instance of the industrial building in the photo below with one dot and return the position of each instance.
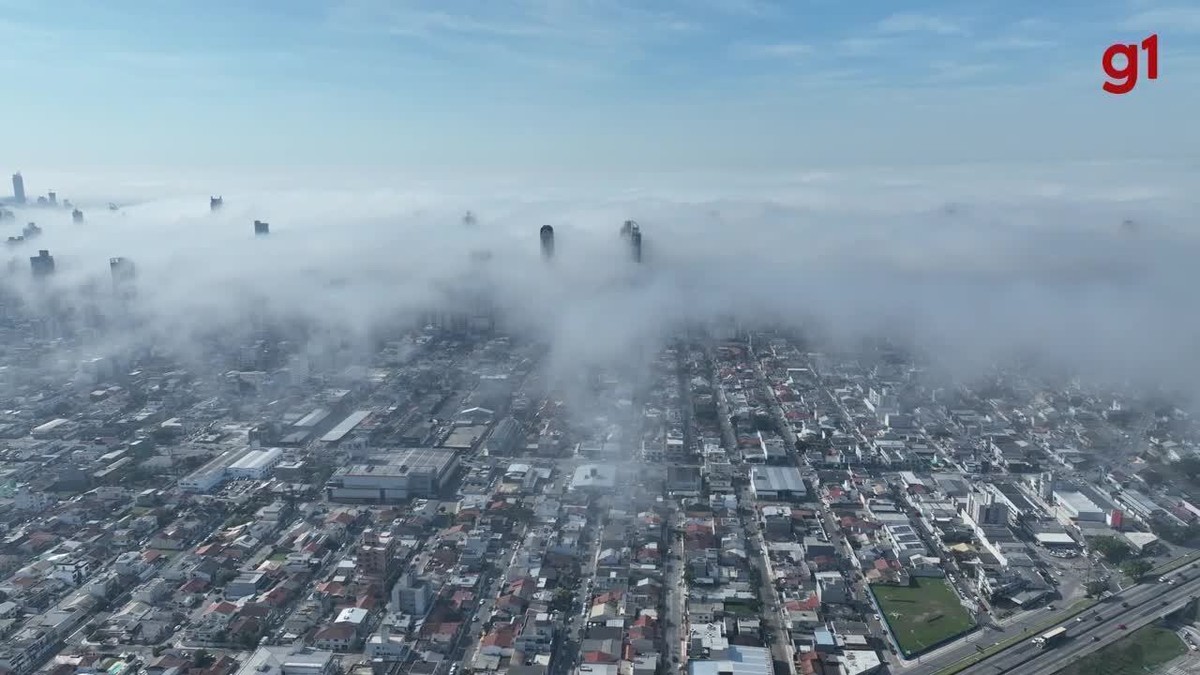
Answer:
(393, 476)
(236, 464)
(344, 427)
(1077, 506)
(778, 483)
(255, 464)
(505, 437)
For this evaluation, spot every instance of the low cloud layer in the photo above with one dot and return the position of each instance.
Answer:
(971, 262)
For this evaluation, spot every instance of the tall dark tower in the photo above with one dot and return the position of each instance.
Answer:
(42, 264)
(77, 216)
(18, 188)
(547, 234)
(215, 203)
(469, 219)
(632, 233)
(261, 228)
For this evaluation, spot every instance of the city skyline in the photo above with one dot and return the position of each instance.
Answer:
(590, 86)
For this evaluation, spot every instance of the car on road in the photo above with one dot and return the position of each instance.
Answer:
(1121, 626)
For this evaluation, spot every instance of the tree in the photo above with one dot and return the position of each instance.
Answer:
(1114, 550)
(1189, 467)
(202, 658)
(1096, 587)
(1136, 569)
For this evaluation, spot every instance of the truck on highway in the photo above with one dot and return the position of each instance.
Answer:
(1050, 638)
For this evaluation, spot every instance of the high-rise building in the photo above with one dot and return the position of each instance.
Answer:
(77, 216)
(469, 219)
(42, 264)
(631, 232)
(53, 197)
(985, 510)
(547, 235)
(261, 228)
(18, 188)
(122, 270)
(215, 203)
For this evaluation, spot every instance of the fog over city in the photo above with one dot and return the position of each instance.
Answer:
(1091, 266)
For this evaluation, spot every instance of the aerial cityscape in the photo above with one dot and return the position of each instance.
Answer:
(600, 337)
(473, 480)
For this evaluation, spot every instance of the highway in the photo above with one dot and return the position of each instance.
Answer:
(1145, 606)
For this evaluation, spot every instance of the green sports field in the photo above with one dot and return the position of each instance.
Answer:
(922, 615)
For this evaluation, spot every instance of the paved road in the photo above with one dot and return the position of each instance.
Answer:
(772, 613)
(676, 632)
(1145, 605)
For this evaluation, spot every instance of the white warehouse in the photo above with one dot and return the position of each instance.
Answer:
(255, 464)
(1078, 506)
(244, 463)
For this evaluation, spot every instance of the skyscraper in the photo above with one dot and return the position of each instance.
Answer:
(18, 188)
(122, 270)
(631, 232)
(261, 228)
(77, 216)
(123, 275)
(547, 234)
(215, 203)
(42, 264)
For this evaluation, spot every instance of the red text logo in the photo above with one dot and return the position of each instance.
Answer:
(1123, 76)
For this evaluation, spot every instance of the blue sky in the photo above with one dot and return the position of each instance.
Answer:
(588, 84)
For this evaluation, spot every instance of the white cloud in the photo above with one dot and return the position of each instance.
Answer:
(919, 23)
(860, 47)
(779, 50)
(1031, 256)
(1014, 43)
(953, 71)
(1173, 19)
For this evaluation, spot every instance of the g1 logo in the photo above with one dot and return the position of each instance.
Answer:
(1123, 79)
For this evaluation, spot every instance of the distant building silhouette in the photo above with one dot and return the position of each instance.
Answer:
(547, 235)
(42, 264)
(215, 203)
(469, 219)
(631, 232)
(18, 188)
(52, 196)
(77, 216)
(261, 228)
(122, 269)
(31, 230)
